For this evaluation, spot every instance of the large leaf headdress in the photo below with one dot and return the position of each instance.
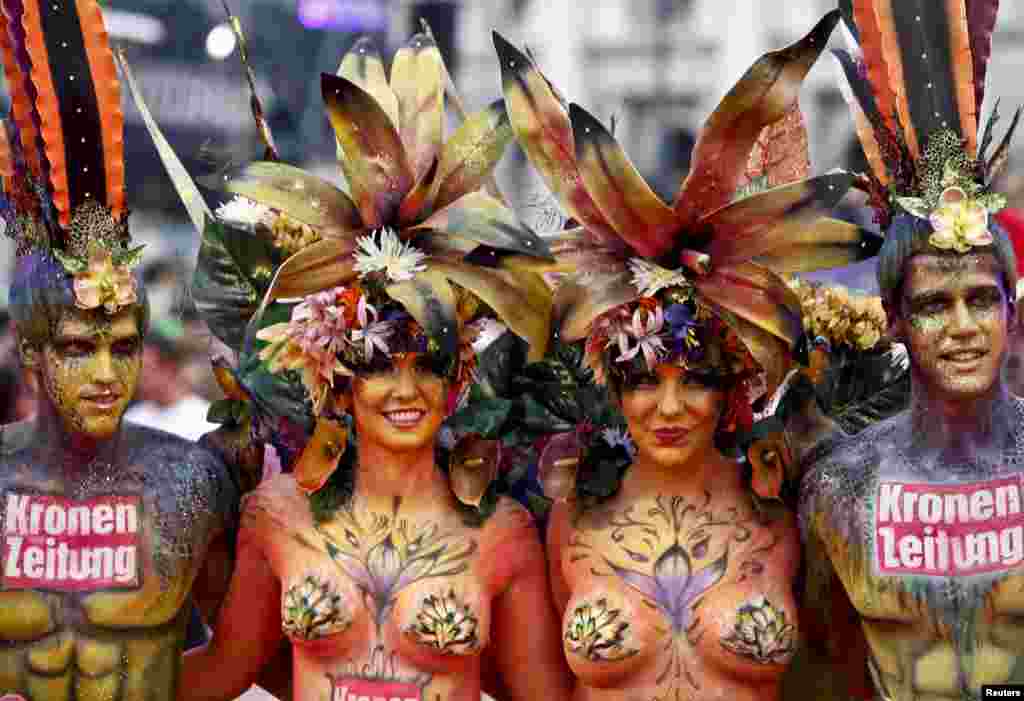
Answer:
(706, 238)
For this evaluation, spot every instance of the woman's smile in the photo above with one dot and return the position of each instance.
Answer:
(404, 418)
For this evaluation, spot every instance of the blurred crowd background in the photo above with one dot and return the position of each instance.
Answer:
(657, 66)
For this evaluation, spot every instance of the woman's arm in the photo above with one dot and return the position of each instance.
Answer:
(525, 641)
(246, 636)
(557, 537)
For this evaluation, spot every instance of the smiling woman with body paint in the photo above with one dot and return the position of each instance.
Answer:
(390, 573)
(671, 584)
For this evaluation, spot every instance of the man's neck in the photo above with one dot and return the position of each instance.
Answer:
(965, 428)
(71, 451)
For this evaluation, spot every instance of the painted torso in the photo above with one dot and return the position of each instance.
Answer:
(385, 602)
(97, 569)
(932, 559)
(674, 597)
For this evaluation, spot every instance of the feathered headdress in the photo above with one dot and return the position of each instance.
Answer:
(678, 280)
(914, 77)
(61, 148)
(409, 255)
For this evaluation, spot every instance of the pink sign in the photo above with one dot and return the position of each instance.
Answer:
(374, 690)
(949, 529)
(61, 544)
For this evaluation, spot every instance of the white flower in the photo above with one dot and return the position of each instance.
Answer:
(488, 331)
(373, 333)
(647, 333)
(399, 261)
(649, 279)
(243, 213)
(616, 437)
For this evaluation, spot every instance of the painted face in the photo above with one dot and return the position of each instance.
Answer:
(671, 415)
(401, 407)
(89, 370)
(955, 319)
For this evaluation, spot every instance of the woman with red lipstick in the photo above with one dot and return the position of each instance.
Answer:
(671, 584)
(390, 573)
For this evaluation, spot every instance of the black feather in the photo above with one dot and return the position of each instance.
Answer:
(923, 35)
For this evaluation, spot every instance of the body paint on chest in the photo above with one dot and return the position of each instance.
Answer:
(948, 530)
(60, 544)
(370, 690)
(377, 680)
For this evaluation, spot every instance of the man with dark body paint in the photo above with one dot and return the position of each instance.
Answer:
(920, 516)
(107, 529)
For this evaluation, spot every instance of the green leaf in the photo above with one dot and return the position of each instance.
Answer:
(538, 505)
(232, 273)
(915, 205)
(129, 258)
(226, 411)
(72, 265)
(275, 394)
(756, 185)
(485, 418)
(994, 202)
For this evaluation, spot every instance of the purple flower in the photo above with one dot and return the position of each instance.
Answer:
(682, 328)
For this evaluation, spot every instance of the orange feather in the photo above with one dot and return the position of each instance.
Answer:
(893, 61)
(963, 73)
(22, 109)
(108, 99)
(49, 110)
(874, 60)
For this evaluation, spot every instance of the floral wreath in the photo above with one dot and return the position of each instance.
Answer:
(358, 327)
(670, 324)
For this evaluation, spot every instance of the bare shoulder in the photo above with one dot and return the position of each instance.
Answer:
(857, 455)
(837, 484)
(277, 503)
(510, 520)
(183, 470)
(510, 541)
(560, 526)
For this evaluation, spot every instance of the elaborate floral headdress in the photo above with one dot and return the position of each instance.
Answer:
(677, 282)
(697, 282)
(411, 254)
(62, 148)
(915, 81)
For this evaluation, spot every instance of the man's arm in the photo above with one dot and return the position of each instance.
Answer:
(832, 660)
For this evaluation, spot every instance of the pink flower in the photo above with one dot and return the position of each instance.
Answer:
(310, 343)
(104, 284)
(373, 333)
(646, 330)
